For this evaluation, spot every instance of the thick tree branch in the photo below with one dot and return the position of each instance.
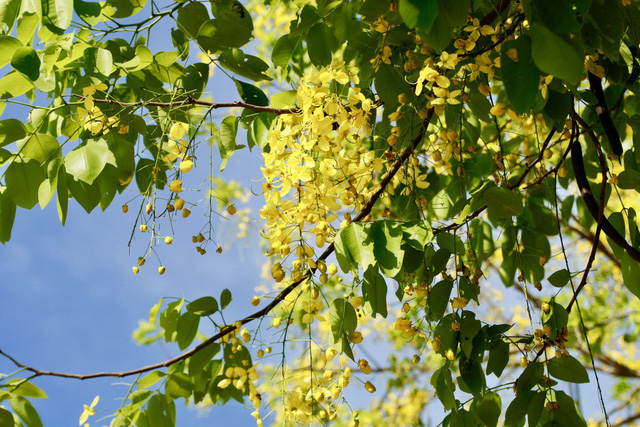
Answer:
(260, 313)
(192, 101)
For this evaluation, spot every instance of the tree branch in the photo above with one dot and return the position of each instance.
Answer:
(193, 101)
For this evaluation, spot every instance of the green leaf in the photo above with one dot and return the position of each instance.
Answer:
(57, 13)
(228, 132)
(438, 299)
(244, 65)
(556, 55)
(387, 241)
(23, 180)
(14, 84)
(343, 319)
(178, 385)
(557, 318)
(103, 61)
(568, 368)
(283, 51)
(319, 44)
(559, 278)
(443, 383)
(530, 376)
(629, 179)
(521, 78)
(25, 410)
(535, 407)
(86, 162)
(195, 79)
(11, 130)
(26, 61)
(26, 389)
(40, 147)
(517, 410)
(556, 15)
(6, 419)
(251, 94)
(202, 357)
(389, 83)
(125, 8)
(353, 248)
(204, 306)
(503, 203)
(7, 216)
(150, 379)
(259, 129)
(8, 47)
(187, 329)
(631, 274)
(231, 29)
(456, 11)
(498, 358)
(374, 292)
(418, 14)
(448, 337)
(225, 298)
(489, 408)
(191, 17)
(610, 22)
(469, 328)
(89, 12)
(8, 13)
(472, 375)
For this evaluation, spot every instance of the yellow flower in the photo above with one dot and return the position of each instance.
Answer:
(178, 129)
(498, 109)
(88, 410)
(186, 166)
(176, 186)
(370, 387)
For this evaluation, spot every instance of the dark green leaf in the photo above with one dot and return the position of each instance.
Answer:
(23, 180)
(374, 292)
(521, 77)
(343, 319)
(568, 368)
(7, 216)
(11, 130)
(202, 357)
(556, 55)
(225, 298)
(319, 44)
(420, 14)
(498, 358)
(244, 65)
(26, 61)
(438, 299)
(488, 408)
(187, 329)
(503, 203)
(559, 278)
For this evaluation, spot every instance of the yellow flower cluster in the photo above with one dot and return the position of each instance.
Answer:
(317, 164)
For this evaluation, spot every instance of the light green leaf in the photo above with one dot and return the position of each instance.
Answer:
(150, 379)
(489, 408)
(259, 129)
(343, 319)
(57, 13)
(374, 292)
(503, 203)
(283, 50)
(438, 299)
(178, 385)
(228, 132)
(39, 147)
(204, 306)
(191, 17)
(26, 61)
(8, 46)
(125, 8)
(25, 410)
(86, 162)
(104, 61)
(26, 389)
(11, 130)
(387, 241)
(284, 99)
(9, 12)
(556, 55)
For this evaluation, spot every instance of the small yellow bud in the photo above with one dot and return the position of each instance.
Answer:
(168, 240)
(545, 307)
(255, 301)
(370, 387)
(524, 362)
(179, 203)
(450, 355)
(186, 166)
(125, 208)
(231, 210)
(136, 270)
(186, 213)
(141, 261)
(562, 172)
(143, 228)
(170, 208)
(149, 208)
(261, 353)
(161, 269)
(332, 269)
